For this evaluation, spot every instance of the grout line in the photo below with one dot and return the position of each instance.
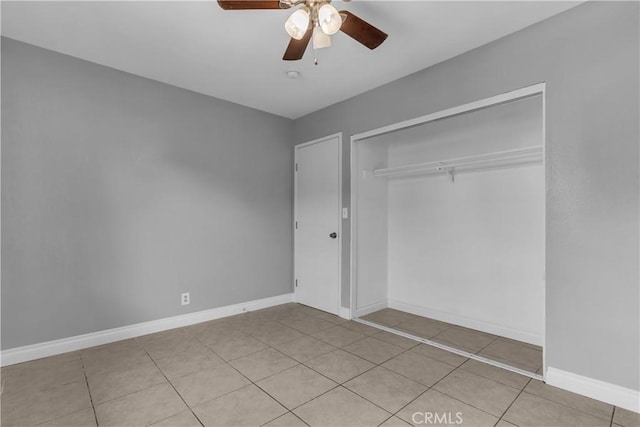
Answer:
(513, 401)
(174, 389)
(613, 413)
(453, 350)
(86, 380)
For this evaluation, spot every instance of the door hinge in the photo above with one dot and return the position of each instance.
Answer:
(296, 225)
(296, 283)
(296, 167)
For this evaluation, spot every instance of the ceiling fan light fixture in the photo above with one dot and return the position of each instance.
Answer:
(329, 19)
(298, 23)
(320, 39)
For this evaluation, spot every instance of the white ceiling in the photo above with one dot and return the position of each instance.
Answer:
(236, 55)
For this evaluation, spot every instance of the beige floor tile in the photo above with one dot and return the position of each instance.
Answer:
(338, 336)
(436, 353)
(423, 327)
(339, 365)
(296, 386)
(532, 346)
(418, 368)
(287, 420)
(41, 365)
(373, 350)
(110, 385)
(477, 391)
(310, 325)
(340, 407)
(181, 364)
(388, 317)
(248, 406)
(626, 418)
(114, 356)
(208, 384)
(277, 335)
(360, 328)
(236, 345)
(263, 364)
(305, 348)
(336, 320)
(385, 388)
(572, 400)
(497, 374)
(84, 418)
(207, 332)
(465, 339)
(141, 408)
(503, 423)
(291, 316)
(183, 419)
(395, 339)
(394, 422)
(435, 408)
(41, 374)
(518, 355)
(28, 407)
(310, 311)
(170, 346)
(531, 410)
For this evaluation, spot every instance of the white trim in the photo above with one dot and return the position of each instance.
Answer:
(295, 212)
(353, 279)
(345, 313)
(468, 322)
(452, 350)
(544, 225)
(78, 342)
(511, 96)
(363, 311)
(352, 222)
(606, 392)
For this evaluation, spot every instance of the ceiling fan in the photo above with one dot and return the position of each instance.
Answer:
(315, 21)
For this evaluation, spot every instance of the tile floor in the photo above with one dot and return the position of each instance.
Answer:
(514, 353)
(288, 365)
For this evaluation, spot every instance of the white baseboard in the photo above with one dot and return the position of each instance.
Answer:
(468, 322)
(363, 311)
(64, 345)
(345, 313)
(606, 392)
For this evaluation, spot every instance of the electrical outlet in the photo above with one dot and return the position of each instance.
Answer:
(185, 298)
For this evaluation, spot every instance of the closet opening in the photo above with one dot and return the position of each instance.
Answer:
(448, 230)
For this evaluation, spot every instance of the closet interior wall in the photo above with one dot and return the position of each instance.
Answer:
(463, 247)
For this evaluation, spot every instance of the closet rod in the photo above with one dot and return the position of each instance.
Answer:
(488, 161)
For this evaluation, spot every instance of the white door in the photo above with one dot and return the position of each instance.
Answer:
(317, 223)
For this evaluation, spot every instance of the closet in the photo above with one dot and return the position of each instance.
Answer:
(448, 229)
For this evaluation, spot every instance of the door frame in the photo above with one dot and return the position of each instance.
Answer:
(506, 97)
(339, 213)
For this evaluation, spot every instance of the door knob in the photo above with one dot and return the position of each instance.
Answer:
(333, 235)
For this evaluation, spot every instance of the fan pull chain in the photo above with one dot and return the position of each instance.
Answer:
(315, 56)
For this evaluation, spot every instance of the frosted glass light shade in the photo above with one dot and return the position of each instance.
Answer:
(329, 19)
(297, 23)
(320, 39)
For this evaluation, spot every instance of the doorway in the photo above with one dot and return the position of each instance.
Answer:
(317, 223)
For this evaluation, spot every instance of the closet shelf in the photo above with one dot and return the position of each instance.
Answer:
(477, 163)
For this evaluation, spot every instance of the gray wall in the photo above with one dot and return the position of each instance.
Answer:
(119, 193)
(589, 58)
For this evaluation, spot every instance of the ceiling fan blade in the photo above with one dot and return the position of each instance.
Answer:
(361, 30)
(295, 49)
(249, 4)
